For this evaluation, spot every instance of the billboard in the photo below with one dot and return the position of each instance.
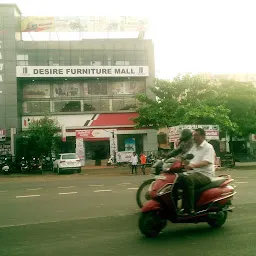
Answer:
(82, 71)
(212, 131)
(83, 24)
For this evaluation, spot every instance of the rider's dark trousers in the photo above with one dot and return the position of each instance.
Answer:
(189, 183)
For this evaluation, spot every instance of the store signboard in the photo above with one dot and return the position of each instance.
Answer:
(82, 71)
(212, 131)
(92, 133)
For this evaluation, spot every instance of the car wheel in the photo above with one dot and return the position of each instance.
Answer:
(79, 170)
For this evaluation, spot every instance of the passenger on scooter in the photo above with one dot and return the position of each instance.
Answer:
(199, 170)
(186, 143)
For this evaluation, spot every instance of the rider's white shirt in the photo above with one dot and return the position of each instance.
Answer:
(203, 152)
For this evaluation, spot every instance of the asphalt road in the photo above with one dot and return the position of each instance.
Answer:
(82, 215)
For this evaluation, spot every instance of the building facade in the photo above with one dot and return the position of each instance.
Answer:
(88, 86)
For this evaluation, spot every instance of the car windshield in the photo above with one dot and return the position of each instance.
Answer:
(69, 156)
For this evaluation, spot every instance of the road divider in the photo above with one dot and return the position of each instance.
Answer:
(27, 196)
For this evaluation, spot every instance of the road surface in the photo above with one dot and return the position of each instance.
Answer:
(81, 215)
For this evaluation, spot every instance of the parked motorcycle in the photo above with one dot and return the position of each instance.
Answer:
(35, 166)
(111, 161)
(23, 165)
(213, 201)
(142, 195)
(47, 164)
(5, 167)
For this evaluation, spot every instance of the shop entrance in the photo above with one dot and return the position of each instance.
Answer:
(99, 149)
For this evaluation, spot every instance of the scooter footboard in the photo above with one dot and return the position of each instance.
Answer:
(151, 205)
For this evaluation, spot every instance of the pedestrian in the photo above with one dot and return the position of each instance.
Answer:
(134, 162)
(143, 160)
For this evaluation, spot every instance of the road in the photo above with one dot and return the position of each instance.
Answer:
(82, 215)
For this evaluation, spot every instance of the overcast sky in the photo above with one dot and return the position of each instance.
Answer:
(216, 36)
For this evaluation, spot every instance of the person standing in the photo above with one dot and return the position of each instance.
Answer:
(134, 162)
(143, 161)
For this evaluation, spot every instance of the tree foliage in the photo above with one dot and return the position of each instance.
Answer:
(41, 136)
(194, 100)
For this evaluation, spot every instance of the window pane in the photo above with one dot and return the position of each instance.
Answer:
(129, 104)
(67, 106)
(88, 105)
(36, 107)
(104, 104)
(97, 88)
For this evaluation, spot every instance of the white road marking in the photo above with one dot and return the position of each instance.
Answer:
(241, 182)
(67, 187)
(99, 185)
(33, 188)
(68, 193)
(132, 188)
(127, 183)
(102, 190)
(241, 177)
(3, 191)
(27, 196)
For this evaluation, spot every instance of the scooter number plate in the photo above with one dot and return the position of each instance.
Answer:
(160, 177)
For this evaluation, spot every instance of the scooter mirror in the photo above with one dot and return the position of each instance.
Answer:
(189, 157)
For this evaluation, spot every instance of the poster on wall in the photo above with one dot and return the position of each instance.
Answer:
(129, 145)
(36, 91)
(66, 90)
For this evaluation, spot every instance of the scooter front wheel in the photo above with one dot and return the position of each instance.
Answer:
(142, 195)
(150, 224)
(218, 220)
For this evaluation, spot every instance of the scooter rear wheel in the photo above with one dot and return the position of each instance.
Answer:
(218, 220)
(150, 224)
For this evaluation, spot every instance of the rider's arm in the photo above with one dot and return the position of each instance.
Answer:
(175, 152)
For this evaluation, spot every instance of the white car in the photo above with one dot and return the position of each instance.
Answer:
(66, 162)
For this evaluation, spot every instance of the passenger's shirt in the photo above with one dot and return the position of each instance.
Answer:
(203, 152)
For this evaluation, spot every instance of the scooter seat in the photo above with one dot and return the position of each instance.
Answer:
(216, 182)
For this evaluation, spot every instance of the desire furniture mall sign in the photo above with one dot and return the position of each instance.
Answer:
(82, 71)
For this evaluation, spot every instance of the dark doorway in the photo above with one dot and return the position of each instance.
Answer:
(97, 149)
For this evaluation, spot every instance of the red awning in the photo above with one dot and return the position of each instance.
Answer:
(114, 119)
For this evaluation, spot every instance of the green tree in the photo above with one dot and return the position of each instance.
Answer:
(42, 135)
(185, 100)
(241, 101)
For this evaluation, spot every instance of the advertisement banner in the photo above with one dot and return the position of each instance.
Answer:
(82, 71)
(212, 131)
(33, 91)
(123, 156)
(92, 133)
(83, 24)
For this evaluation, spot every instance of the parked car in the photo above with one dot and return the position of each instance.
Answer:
(67, 162)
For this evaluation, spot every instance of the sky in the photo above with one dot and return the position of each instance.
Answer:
(216, 36)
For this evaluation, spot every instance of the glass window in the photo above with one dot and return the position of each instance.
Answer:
(36, 90)
(88, 105)
(36, 107)
(66, 89)
(69, 156)
(117, 104)
(129, 104)
(98, 88)
(96, 63)
(96, 104)
(104, 104)
(122, 63)
(67, 106)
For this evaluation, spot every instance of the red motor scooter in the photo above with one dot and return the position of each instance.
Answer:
(213, 201)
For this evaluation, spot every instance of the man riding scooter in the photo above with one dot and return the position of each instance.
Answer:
(200, 170)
